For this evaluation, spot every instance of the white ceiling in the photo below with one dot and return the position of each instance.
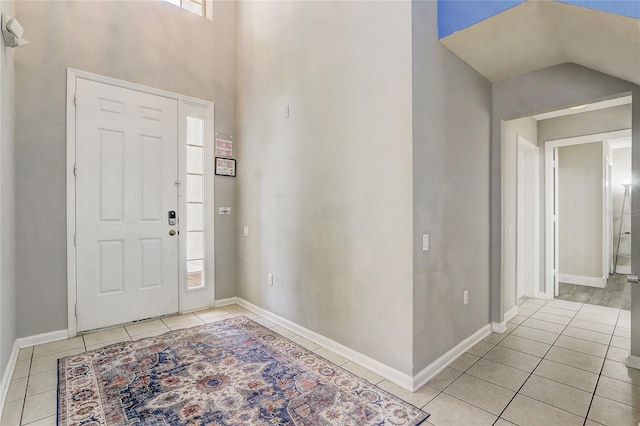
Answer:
(538, 34)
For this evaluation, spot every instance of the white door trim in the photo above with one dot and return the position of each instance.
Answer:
(549, 193)
(534, 150)
(72, 76)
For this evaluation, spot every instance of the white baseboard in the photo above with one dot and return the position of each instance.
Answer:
(633, 362)
(541, 295)
(401, 379)
(501, 327)
(225, 302)
(39, 339)
(441, 363)
(583, 280)
(626, 269)
(8, 373)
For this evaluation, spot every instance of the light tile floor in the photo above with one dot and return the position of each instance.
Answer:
(558, 363)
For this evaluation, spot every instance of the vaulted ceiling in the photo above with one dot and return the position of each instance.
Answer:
(538, 34)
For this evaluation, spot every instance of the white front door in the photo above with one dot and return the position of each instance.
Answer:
(126, 162)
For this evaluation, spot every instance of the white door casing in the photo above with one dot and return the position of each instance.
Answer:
(126, 162)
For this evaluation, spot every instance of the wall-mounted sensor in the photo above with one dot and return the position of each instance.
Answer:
(12, 32)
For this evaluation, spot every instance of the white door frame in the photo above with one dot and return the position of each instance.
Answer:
(185, 104)
(550, 242)
(533, 161)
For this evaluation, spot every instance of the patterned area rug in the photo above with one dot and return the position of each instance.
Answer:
(231, 372)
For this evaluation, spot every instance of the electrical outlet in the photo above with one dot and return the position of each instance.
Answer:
(270, 279)
(425, 242)
(245, 231)
(466, 296)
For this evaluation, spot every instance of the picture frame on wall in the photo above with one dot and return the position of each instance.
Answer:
(225, 166)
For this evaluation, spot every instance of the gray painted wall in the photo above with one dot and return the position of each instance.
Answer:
(586, 123)
(451, 134)
(327, 192)
(7, 199)
(545, 90)
(580, 210)
(150, 43)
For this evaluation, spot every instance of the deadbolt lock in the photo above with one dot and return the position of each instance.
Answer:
(172, 232)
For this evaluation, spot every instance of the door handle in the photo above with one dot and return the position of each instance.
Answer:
(172, 217)
(172, 232)
(633, 278)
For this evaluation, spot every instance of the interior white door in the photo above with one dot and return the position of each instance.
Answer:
(126, 160)
(556, 220)
(521, 234)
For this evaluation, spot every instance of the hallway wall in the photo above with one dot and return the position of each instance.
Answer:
(151, 43)
(7, 198)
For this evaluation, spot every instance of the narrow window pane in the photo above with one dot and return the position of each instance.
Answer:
(194, 188)
(194, 245)
(194, 131)
(194, 217)
(194, 274)
(194, 160)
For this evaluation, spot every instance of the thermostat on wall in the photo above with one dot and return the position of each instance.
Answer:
(224, 210)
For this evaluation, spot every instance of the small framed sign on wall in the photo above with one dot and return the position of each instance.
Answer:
(225, 166)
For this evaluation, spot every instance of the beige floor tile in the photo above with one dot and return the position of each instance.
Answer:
(446, 410)
(558, 311)
(237, 309)
(362, 372)
(494, 338)
(498, 374)
(618, 370)
(21, 369)
(622, 332)
(599, 319)
(106, 336)
(601, 311)
(50, 362)
(544, 325)
(104, 345)
(567, 375)
(444, 378)
(503, 422)
(624, 320)
(617, 354)
(17, 389)
(619, 391)
(564, 304)
(592, 423)
(524, 312)
(592, 336)
(305, 343)
(182, 321)
(25, 353)
(513, 358)
(533, 303)
(42, 382)
(528, 346)
(329, 355)
(518, 319)
(535, 334)
(265, 322)
(557, 319)
(525, 411)
(575, 359)
(145, 327)
(480, 348)
(580, 345)
(213, 315)
(480, 393)
(621, 342)
(418, 398)
(610, 412)
(59, 346)
(464, 361)
(12, 412)
(39, 406)
(152, 333)
(283, 331)
(593, 326)
(565, 397)
(49, 421)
